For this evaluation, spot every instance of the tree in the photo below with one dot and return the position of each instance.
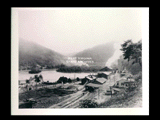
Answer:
(27, 81)
(88, 104)
(132, 51)
(78, 79)
(36, 80)
(62, 79)
(69, 80)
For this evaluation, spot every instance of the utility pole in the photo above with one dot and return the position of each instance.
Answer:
(74, 77)
(62, 84)
(98, 93)
(111, 90)
(129, 84)
(114, 78)
(36, 89)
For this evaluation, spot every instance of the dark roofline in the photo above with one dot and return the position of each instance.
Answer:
(101, 78)
(130, 82)
(93, 85)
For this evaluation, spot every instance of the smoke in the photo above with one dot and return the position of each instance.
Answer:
(116, 54)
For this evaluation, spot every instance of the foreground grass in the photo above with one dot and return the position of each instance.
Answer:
(45, 97)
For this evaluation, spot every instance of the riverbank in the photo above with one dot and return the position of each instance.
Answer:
(51, 75)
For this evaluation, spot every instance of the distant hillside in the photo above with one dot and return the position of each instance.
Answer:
(31, 53)
(99, 54)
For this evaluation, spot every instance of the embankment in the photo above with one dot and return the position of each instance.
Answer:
(125, 100)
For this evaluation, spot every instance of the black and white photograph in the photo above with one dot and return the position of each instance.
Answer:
(79, 59)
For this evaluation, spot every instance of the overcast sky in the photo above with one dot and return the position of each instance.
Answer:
(73, 30)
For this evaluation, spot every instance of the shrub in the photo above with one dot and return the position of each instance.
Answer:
(138, 77)
(62, 79)
(27, 81)
(88, 104)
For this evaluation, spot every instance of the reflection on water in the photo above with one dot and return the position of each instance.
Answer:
(51, 75)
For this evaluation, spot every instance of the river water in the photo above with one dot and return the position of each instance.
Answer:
(51, 75)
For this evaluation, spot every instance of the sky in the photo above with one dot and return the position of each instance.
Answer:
(71, 30)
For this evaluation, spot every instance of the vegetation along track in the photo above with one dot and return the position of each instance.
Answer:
(87, 96)
(75, 101)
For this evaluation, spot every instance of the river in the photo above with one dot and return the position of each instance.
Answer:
(51, 75)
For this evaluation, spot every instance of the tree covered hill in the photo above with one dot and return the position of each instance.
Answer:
(99, 54)
(31, 53)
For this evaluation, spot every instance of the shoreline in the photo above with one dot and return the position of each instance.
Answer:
(62, 71)
(40, 69)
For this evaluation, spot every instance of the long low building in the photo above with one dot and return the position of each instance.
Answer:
(125, 83)
(100, 81)
(115, 90)
(93, 85)
(97, 83)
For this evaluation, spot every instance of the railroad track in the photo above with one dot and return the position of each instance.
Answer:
(70, 100)
(74, 100)
(87, 96)
(75, 103)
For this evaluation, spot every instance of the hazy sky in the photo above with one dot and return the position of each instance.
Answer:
(73, 30)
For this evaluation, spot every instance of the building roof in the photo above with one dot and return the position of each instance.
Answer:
(131, 79)
(117, 89)
(129, 75)
(126, 80)
(101, 80)
(93, 85)
(130, 82)
(106, 73)
(80, 77)
(89, 78)
(38, 65)
(122, 80)
(92, 76)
